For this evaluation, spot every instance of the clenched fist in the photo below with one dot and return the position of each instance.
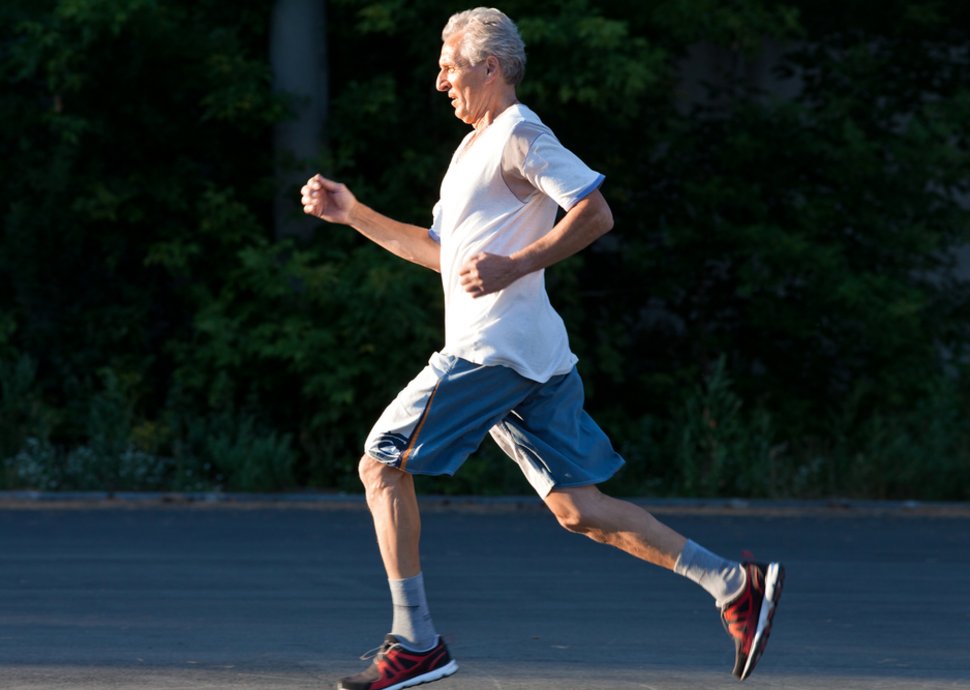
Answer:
(326, 199)
(484, 273)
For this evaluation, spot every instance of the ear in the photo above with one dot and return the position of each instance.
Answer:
(492, 67)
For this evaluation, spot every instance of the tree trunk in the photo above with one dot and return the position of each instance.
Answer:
(298, 55)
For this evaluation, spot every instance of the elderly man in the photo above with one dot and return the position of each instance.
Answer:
(506, 368)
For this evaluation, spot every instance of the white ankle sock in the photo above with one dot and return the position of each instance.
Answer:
(412, 620)
(722, 579)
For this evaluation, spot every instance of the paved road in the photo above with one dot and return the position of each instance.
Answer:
(175, 597)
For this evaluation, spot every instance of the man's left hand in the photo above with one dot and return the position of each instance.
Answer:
(485, 273)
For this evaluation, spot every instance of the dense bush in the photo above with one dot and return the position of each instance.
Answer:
(778, 311)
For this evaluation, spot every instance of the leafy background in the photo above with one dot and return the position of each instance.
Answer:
(779, 312)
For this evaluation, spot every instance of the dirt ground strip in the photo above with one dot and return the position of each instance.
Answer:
(30, 500)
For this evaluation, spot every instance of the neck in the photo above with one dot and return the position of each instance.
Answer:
(499, 106)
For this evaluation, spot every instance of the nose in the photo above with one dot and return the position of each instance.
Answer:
(441, 83)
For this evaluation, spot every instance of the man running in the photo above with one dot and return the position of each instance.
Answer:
(506, 368)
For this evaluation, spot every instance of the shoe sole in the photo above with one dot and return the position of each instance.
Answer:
(774, 580)
(429, 677)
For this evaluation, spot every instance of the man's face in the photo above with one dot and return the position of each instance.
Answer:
(463, 82)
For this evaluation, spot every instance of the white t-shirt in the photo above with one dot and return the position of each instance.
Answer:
(499, 195)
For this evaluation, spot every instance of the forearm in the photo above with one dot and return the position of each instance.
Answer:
(485, 273)
(410, 242)
(586, 222)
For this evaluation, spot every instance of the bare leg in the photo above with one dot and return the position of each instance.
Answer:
(746, 606)
(394, 506)
(586, 510)
(412, 652)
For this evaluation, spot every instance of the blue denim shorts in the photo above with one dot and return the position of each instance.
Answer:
(444, 413)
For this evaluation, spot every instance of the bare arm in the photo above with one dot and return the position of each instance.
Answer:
(583, 224)
(334, 202)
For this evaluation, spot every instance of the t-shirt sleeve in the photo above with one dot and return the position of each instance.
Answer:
(434, 232)
(534, 156)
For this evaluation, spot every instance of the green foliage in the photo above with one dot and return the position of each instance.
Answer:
(885, 454)
(736, 24)
(235, 454)
(778, 311)
(587, 60)
(22, 412)
(721, 450)
(108, 460)
(119, 118)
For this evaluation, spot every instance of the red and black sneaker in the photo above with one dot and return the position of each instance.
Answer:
(395, 667)
(747, 618)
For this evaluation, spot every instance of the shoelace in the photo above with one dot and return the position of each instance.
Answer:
(377, 652)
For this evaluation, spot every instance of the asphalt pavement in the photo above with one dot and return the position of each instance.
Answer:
(286, 595)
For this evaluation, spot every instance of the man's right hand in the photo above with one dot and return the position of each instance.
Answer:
(326, 199)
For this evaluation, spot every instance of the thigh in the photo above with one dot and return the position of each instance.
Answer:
(441, 417)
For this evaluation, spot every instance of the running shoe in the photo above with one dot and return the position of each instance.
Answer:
(395, 667)
(747, 618)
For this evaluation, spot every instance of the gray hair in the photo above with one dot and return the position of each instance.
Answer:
(488, 31)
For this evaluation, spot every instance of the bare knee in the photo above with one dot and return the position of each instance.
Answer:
(574, 521)
(576, 511)
(378, 478)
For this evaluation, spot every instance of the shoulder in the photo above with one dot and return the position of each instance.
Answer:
(524, 130)
(525, 125)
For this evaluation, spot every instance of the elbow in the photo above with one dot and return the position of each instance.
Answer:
(605, 220)
(602, 214)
